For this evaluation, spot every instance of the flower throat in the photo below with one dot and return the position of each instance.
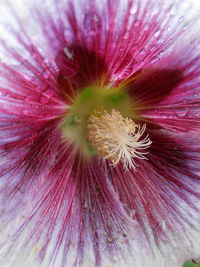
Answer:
(99, 122)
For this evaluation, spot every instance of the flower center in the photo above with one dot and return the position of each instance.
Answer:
(99, 121)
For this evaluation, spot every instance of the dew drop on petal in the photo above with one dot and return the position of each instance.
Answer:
(126, 35)
(68, 53)
(67, 63)
(156, 34)
(173, 11)
(133, 9)
(137, 23)
(181, 19)
(181, 113)
(164, 226)
(132, 213)
(68, 34)
(91, 21)
(26, 112)
(46, 74)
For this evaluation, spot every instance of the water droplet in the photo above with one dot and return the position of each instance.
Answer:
(164, 226)
(173, 11)
(185, 101)
(136, 23)
(155, 10)
(133, 9)
(46, 74)
(156, 34)
(146, 27)
(126, 35)
(184, 27)
(89, 20)
(96, 18)
(68, 53)
(181, 19)
(169, 29)
(181, 112)
(68, 33)
(132, 213)
(85, 204)
(26, 112)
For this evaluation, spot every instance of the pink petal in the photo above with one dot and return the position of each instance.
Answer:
(70, 207)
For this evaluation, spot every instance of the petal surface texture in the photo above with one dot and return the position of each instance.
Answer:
(58, 208)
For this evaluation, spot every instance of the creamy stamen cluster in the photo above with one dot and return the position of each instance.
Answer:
(117, 138)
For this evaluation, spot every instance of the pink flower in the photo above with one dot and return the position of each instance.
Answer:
(100, 133)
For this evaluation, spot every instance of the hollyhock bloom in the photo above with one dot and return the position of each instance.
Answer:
(99, 106)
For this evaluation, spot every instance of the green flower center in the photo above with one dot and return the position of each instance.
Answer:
(88, 101)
